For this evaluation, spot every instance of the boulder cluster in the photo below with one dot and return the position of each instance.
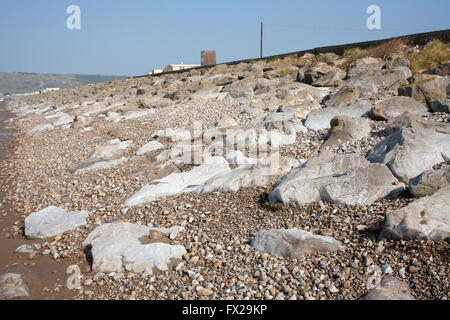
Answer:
(124, 168)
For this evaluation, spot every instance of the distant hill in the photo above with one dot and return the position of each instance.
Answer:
(19, 82)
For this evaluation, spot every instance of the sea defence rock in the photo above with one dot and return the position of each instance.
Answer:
(149, 147)
(41, 128)
(117, 247)
(262, 173)
(346, 96)
(177, 183)
(52, 221)
(429, 182)
(103, 157)
(343, 178)
(293, 243)
(12, 286)
(173, 134)
(345, 129)
(392, 107)
(425, 89)
(410, 151)
(284, 122)
(378, 83)
(390, 289)
(366, 66)
(424, 218)
(320, 119)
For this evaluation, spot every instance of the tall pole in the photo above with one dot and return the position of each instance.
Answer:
(261, 55)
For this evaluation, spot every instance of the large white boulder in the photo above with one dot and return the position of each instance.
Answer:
(293, 243)
(342, 178)
(116, 247)
(178, 183)
(425, 218)
(52, 221)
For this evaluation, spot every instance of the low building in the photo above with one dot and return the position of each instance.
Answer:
(156, 71)
(49, 90)
(176, 67)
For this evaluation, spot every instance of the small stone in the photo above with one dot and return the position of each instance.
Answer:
(402, 272)
(204, 292)
(368, 261)
(386, 269)
(413, 269)
(332, 288)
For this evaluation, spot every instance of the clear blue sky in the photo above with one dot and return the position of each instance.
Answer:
(119, 37)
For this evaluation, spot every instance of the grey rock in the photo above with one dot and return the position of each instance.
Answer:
(410, 151)
(366, 66)
(379, 83)
(345, 129)
(28, 248)
(95, 165)
(241, 92)
(392, 107)
(440, 105)
(345, 96)
(321, 75)
(260, 174)
(53, 221)
(149, 147)
(148, 101)
(79, 122)
(285, 122)
(226, 122)
(293, 243)
(320, 119)
(41, 128)
(429, 182)
(12, 286)
(332, 79)
(425, 89)
(390, 289)
(343, 178)
(117, 247)
(424, 218)
(178, 183)
(63, 119)
(173, 134)
(103, 157)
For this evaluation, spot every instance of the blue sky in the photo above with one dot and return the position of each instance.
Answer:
(132, 37)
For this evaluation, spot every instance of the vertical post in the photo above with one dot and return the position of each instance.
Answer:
(261, 51)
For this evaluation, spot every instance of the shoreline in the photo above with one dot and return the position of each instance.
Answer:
(39, 272)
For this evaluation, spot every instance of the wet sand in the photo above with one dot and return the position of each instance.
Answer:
(41, 271)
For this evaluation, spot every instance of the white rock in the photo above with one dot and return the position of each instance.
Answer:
(41, 128)
(173, 134)
(53, 221)
(320, 119)
(424, 218)
(178, 183)
(149, 147)
(12, 286)
(28, 248)
(116, 247)
(293, 243)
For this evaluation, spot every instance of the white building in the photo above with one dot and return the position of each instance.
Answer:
(174, 67)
